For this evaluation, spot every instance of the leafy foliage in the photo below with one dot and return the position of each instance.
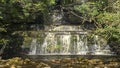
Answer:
(14, 12)
(89, 10)
(105, 14)
(22, 10)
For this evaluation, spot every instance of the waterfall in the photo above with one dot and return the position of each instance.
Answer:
(100, 48)
(33, 47)
(67, 40)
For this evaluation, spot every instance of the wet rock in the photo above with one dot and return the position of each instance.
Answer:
(18, 66)
(4, 66)
(66, 60)
(60, 63)
(55, 61)
(12, 66)
(94, 61)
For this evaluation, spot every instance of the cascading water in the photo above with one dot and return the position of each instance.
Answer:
(61, 40)
(67, 40)
(58, 41)
(33, 46)
(100, 48)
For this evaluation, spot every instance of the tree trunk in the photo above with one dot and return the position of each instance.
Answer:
(2, 49)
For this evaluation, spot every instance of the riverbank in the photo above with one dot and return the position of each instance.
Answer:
(60, 63)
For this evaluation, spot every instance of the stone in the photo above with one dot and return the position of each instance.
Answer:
(3, 66)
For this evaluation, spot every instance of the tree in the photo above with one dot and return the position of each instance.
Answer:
(14, 12)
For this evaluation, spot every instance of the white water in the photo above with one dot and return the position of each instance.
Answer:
(33, 47)
(68, 40)
(65, 40)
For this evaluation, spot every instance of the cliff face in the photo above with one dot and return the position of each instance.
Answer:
(115, 47)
